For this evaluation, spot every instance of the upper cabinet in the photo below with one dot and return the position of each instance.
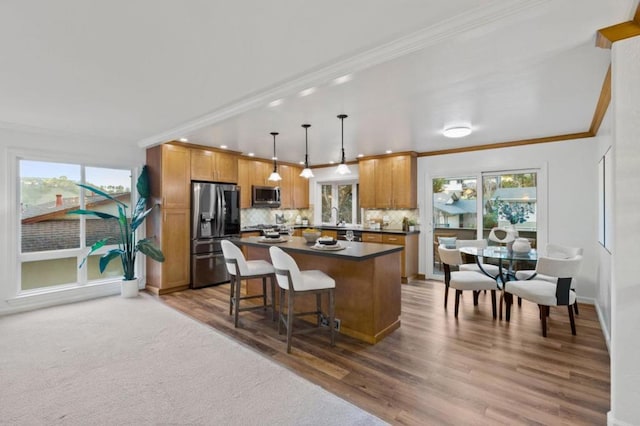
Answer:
(294, 190)
(214, 166)
(389, 182)
(169, 166)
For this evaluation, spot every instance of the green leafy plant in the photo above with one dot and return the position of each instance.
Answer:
(128, 247)
(514, 212)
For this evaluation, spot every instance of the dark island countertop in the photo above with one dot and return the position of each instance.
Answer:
(337, 228)
(354, 250)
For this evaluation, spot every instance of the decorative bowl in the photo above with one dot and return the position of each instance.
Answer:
(272, 234)
(311, 235)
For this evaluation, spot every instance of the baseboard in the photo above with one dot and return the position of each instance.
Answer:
(61, 296)
(605, 332)
(611, 421)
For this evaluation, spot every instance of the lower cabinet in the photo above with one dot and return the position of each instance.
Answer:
(171, 230)
(409, 256)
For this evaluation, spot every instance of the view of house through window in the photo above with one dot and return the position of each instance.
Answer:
(52, 242)
(508, 200)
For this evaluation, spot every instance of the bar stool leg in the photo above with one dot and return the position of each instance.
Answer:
(237, 303)
(231, 293)
(289, 320)
(332, 316)
(274, 315)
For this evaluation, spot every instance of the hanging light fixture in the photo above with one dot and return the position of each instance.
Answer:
(306, 172)
(342, 169)
(274, 176)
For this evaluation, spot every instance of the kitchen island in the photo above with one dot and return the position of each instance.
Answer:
(367, 275)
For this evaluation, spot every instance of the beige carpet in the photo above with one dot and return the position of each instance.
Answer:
(136, 361)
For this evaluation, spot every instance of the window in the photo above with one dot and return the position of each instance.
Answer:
(510, 200)
(52, 242)
(339, 202)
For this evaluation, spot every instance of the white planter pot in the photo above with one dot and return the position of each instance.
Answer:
(129, 288)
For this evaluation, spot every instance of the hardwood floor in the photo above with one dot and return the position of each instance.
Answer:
(438, 370)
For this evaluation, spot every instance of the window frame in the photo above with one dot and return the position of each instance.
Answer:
(79, 253)
(317, 214)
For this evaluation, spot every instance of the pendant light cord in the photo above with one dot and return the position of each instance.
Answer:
(275, 166)
(342, 117)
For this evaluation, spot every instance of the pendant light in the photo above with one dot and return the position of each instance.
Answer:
(306, 172)
(343, 169)
(274, 176)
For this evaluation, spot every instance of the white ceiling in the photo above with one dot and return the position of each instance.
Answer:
(147, 71)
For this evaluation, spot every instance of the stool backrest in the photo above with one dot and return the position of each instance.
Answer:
(232, 256)
(285, 268)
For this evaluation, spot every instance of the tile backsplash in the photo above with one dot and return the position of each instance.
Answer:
(249, 217)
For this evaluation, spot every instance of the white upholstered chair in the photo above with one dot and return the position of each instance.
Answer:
(545, 293)
(464, 280)
(558, 252)
(492, 270)
(294, 282)
(240, 269)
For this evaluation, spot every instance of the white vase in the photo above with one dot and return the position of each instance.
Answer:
(521, 245)
(129, 288)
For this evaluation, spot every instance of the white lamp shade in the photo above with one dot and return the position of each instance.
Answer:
(343, 169)
(306, 173)
(274, 176)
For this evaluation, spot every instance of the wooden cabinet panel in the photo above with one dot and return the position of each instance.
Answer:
(300, 189)
(369, 237)
(214, 166)
(286, 186)
(175, 246)
(226, 167)
(388, 182)
(330, 233)
(397, 240)
(367, 181)
(244, 181)
(176, 178)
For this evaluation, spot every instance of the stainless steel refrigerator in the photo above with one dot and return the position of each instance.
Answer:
(215, 215)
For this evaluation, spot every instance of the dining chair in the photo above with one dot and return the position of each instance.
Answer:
(558, 252)
(545, 293)
(464, 280)
(490, 269)
(240, 269)
(295, 282)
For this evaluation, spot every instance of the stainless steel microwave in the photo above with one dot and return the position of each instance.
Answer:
(265, 196)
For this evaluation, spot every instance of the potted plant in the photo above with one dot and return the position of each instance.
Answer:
(128, 246)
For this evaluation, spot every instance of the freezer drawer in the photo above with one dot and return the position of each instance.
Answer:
(208, 269)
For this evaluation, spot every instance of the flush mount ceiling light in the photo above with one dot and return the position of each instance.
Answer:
(276, 103)
(274, 176)
(457, 132)
(183, 140)
(344, 79)
(342, 169)
(306, 172)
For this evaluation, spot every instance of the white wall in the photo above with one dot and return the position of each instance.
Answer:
(625, 280)
(603, 282)
(571, 169)
(59, 147)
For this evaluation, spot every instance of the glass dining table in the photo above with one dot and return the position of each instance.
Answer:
(507, 261)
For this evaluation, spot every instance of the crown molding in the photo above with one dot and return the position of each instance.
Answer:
(487, 16)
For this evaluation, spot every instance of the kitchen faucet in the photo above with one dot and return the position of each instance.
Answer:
(336, 209)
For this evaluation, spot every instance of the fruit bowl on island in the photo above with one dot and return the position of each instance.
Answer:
(311, 235)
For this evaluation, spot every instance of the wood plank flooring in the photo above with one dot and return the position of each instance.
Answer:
(438, 370)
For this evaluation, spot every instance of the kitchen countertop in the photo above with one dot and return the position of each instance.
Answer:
(355, 250)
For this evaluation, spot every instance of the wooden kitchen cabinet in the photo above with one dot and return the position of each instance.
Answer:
(169, 169)
(389, 182)
(214, 166)
(169, 174)
(371, 237)
(409, 256)
(367, 183)
(294, 190)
